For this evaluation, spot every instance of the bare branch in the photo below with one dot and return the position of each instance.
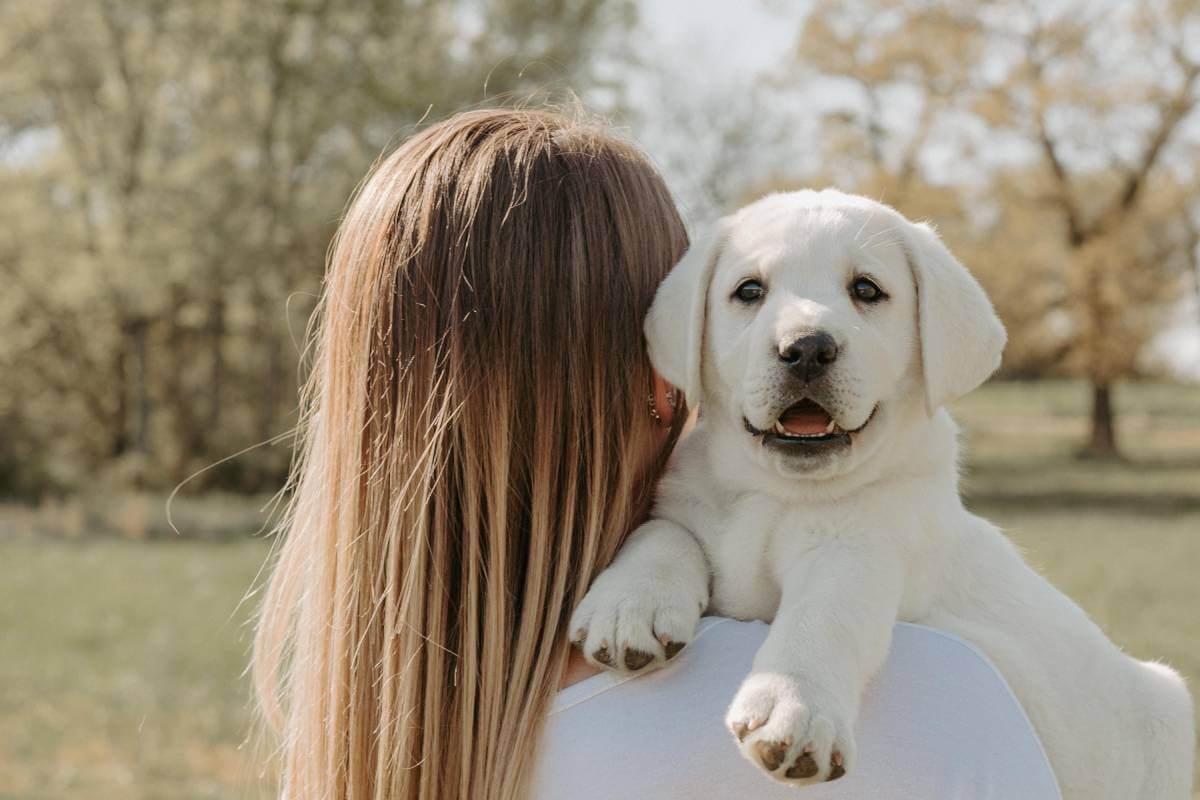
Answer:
(1175, 112)
(1064, 197)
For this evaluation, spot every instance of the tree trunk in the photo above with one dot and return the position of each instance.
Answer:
(216, 363)
(120, 418)
(141, 437)
(1103, 441)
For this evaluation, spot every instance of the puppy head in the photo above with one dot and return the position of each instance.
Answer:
(808, 321)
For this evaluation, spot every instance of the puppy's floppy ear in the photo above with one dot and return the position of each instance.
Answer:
(961, 336)
(675, 325)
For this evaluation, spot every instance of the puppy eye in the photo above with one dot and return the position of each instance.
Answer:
(749, 291)
(867, 291)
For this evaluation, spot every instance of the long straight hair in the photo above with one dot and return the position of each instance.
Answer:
(475, 429)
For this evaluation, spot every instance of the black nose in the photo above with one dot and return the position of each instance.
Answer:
(809, 355)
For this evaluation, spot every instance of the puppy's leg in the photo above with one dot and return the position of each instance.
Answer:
(794, 715)
(643, 609)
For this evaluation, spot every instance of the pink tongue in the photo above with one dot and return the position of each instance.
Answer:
(805, 420)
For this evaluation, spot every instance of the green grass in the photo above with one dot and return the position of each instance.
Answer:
(121, 660)
(120, 671)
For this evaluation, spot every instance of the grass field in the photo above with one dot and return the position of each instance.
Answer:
(120, 669)
(120, 661)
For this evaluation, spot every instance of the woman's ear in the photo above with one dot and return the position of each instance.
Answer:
(961, 336)
(675, 325)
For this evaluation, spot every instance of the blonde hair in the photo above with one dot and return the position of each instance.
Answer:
(474, 417)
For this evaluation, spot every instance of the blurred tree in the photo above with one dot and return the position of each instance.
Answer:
(170, 176)
(1102, 91)
(1049, 124)
(902, 74)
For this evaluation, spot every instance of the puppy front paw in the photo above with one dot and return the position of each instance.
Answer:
(633, 621)
(793, 734)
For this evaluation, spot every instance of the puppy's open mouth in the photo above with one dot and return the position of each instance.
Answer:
(808, 426)
(805, 420)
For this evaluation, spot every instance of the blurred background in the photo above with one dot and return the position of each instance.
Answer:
(171, 174)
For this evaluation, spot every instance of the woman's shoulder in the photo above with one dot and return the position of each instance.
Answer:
(939, 720)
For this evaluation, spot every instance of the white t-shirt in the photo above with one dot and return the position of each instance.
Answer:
(939, 721)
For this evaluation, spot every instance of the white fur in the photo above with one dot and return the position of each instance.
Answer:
(834, 549)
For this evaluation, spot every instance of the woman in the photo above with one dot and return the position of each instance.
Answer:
(482, 430)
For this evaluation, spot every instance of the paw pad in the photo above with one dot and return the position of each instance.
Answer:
(770, 754)
(805, 767)
(636, 659)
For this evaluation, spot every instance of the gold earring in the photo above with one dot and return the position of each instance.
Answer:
(672, 401)
(653, 406)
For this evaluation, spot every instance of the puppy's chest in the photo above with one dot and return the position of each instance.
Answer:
(752, 543)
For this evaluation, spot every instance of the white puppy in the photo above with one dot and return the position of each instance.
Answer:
(822, 335)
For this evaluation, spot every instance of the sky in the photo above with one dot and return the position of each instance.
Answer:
(695, 60)
(723, 36)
